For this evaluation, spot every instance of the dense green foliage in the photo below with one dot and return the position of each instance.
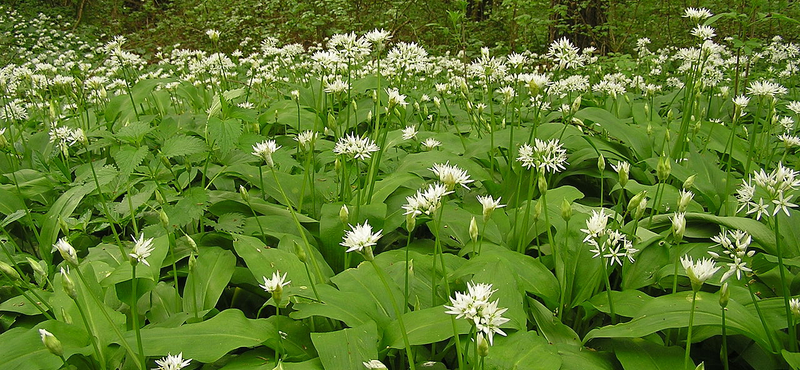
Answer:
(363, 201)
(503, 25)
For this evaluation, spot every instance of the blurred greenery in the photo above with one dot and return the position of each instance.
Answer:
(502, 25)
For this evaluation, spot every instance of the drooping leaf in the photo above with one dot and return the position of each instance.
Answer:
(672, 311)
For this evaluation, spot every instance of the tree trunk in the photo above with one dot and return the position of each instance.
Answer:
(580, 21)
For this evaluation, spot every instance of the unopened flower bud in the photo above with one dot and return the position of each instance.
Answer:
(192, 262)
(542, 183)
(244, 193)
(483, 346)
(664, 168)
(52, 343)
(473, 229)
(36, 267)
(300, 252)
(411, 222)
(192, 244)
(684, 198)
(566, 209)
(159, 197)
(9, 271)
(576, 104)
(678, 226)
(344, 214)
(635, 205)
(63, 226)
(68, 285)
(601, 163)
(689, 182)
(537, 211)
(724, 295)
(162, 216)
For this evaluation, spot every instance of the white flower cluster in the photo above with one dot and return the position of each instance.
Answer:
(426, 200)
(546, 156)
(699, 271)
(171, 362)
(608, 243)
(476, 307)
(360, 237)
(63, 137)
(451, 175)
(734, 245)
(358, 147)
(768, 194)
(277, 282)
(265, 149)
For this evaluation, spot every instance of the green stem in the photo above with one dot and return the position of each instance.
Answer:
(172, 246)
(686, 357)
(300, 229)
(102, 307)
(785, 289)
(405, 291)
(135, 314)
(608, 292)
(761, 316)
(397, 312)
(92, 337)
(724, 341)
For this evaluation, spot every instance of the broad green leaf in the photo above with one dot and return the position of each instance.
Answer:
(122, 270)
(760, 232)
(792, 358)
(210, 276)
(531, 274)
(522, 351)
(425, 326)
(351, 308)
(21, 304)
(263, 261)
(61, 209)
(550, 327)
(22, 348)
(99, 316)
(365, 281)
(672, 311)
(182, 145)
(347, 348)
(500, 274)
(576, 357)
(619, 129)
(637, 353)
(627, 303)
(293, 339)
(209, 340)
